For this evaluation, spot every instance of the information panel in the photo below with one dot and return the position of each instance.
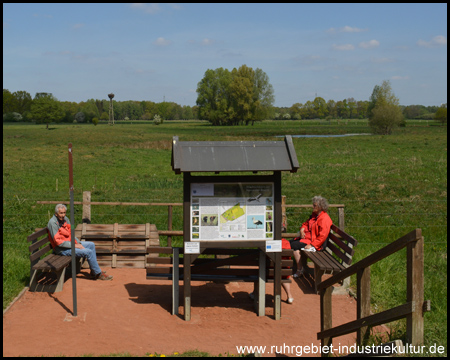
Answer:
(231, 211)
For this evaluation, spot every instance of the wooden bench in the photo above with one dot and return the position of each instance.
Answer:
(51, 263)
(120, 245)
(335, 257)
(243, 266)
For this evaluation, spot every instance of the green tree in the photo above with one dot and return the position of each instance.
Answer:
(22, 101)
(8, 101)
(441, 114)
(241, 96)
(46, 109)
(385, 113)
(320, 108)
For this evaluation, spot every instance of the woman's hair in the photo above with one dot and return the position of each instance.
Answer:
(57, 207)
(321, 202)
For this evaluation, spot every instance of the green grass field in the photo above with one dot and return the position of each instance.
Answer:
(390, 185)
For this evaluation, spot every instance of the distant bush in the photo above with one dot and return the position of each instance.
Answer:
(12, 116)
(95, 121)
(157, 120)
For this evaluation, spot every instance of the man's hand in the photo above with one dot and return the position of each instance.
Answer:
(79, 246)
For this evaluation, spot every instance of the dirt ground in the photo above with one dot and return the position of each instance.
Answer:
(132, 314)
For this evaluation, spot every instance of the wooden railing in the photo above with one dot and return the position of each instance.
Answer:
(87, 203)
(412, 310)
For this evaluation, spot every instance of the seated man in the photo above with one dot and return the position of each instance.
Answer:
(59, 236)
(313, 232)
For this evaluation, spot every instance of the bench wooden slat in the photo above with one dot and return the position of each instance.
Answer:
(39, 253)
(37, 234)
(347, 249)
(344, 235)
(38, 244)
(52, 262)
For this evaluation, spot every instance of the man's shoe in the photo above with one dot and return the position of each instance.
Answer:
(102, 276)
(95, 276)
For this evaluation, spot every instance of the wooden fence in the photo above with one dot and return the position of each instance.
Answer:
(87, 203)
(412, 310)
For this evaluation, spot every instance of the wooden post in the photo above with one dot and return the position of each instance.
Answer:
(86, 207)
(363, 302)
(176, 281)
(283, 214)
(277, 286)
(341, 218)
(260, 295)
(414, 290)
(326, 319)
(169, 226)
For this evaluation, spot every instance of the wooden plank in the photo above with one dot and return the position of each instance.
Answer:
(38, 244)
(344, 247)
(39, 253)
(372, 320)
(37, 234)
(344, 235)
(373, 258)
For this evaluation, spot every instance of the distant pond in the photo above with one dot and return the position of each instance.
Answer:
(324, 136)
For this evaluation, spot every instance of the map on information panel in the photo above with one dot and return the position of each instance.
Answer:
(234, 211)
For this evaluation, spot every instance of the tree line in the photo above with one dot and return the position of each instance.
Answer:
(236, 97)
(44, 108)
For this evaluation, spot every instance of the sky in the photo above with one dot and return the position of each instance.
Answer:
(159, 52)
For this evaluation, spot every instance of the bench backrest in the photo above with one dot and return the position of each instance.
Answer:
(341, 245)
(40, 244)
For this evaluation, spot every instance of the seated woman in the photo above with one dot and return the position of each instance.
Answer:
(313, 232)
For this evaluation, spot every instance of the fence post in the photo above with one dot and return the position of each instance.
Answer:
(341, 218)
(86, 207)
(326, 318)
(363, 302)
(414, 290)
(169, 226)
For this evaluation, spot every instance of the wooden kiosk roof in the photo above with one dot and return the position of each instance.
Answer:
(219, 156)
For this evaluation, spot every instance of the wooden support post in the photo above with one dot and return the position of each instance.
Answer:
(341, 218)
(86, 207)
(326, 318)
(277, 286)
(363, 303)
(175, 281)
(283, 214)
(260, 295)
(187, 286)
(169, 226)
(414, 290)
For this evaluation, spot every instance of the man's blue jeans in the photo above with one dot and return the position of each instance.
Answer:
(88, 253)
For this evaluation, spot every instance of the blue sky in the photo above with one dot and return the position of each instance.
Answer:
(161, 51)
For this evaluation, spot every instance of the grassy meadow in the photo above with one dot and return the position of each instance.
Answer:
(389, 185)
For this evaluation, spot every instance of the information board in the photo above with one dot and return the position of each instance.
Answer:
(231, 211)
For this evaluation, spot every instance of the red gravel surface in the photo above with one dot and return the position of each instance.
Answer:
(132, 314)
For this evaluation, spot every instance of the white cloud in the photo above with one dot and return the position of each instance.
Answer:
(369, 44)
(152, 8)
(347, 29)
(437, 41)
(207, 42)
(382, 60)
(344, 47)
(397, 77)
(162, 42)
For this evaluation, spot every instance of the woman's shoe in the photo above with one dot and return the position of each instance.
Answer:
(298, 273)
(290, 300)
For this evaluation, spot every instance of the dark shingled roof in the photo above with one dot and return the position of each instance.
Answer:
(219, 156)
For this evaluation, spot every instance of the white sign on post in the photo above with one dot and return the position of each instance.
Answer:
(232, 211)
(273, 246)
(192, 247)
